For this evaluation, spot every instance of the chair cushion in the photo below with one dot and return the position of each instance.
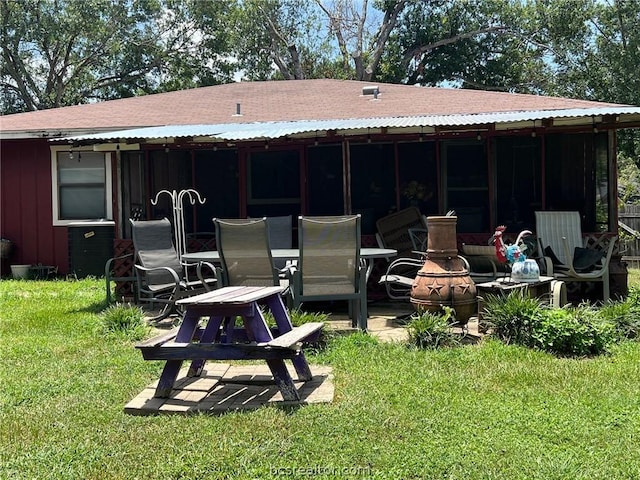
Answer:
(548, 252)
(585, 259)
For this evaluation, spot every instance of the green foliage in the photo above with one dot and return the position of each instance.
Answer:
(300, 317)
(573, 331)
(624, 314)
(432, 330)
(512, 317)
(66, 52)
(578, 331)
(124, 319)
(628, 180)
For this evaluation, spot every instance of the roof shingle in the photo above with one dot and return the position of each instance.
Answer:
(271, 101)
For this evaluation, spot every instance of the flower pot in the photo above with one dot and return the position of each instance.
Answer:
(20, 271)
(5, 248)
(527, 271)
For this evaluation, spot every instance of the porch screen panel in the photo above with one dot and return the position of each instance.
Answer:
(372, 183)
(324, 179)
(169, 170)
(518, 180)
(133, 190)
(273, 183)
(601, 148)
(418, 176)
(216, 179)
(576, 168)
(467, 184)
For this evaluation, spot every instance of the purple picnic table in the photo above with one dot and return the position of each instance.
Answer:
(219, 339)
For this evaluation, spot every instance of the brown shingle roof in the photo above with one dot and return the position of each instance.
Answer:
(280, 101)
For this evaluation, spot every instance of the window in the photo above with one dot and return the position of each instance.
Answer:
(81, 186)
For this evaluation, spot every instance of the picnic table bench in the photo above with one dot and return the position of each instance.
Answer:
(219, 339)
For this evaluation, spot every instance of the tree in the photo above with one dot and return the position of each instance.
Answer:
(65, 52)
(292, 40)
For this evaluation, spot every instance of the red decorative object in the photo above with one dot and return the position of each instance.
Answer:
(444, 279)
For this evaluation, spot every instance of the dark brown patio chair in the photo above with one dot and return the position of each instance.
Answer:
(393, 230)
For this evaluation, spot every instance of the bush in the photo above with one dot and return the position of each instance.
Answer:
(578, 331)
(625, 315)
(124, 319)
(512, 317)
(432, 330)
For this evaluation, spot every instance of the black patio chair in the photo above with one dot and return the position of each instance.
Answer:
(160, 275)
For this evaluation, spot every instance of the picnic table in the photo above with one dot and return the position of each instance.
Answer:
(217, 338)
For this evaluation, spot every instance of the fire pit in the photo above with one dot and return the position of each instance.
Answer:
(444, 279)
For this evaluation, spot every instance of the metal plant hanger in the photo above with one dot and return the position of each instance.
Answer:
(177, 200)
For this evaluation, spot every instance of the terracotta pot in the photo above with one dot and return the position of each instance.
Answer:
(444, 279)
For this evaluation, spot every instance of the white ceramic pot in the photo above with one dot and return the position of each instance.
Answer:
(20, 271)
(527, 271)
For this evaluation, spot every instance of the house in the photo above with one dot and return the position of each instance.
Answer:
(302, 147)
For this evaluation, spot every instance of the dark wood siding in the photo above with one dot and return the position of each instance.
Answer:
(26, 219)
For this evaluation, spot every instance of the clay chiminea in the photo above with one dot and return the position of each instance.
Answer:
(444, 279)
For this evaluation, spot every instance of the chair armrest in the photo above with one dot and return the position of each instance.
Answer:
(203, 280)
(548, 266)
(107, 266)
(171, 271)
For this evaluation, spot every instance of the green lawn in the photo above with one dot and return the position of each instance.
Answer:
(479, 411)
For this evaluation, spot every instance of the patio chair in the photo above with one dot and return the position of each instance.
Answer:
(280, 231)
(419, 237)
(160, 276)
(245, 252)
(402, 272)
(393, 230)
(329, 267)
(560, 238)
(483, 263)
(399, 277)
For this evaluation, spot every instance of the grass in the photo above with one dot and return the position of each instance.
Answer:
(473, 412)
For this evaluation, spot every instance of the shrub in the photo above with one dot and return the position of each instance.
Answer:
(512, 317)
(578, 331)
(625, 315)
(432, 330)
(124, 319)
(300, 317)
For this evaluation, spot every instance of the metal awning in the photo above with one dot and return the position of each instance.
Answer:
(308, 128)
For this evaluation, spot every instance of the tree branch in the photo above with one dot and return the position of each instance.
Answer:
(422, 49)
(380, 40)
(334, 23)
